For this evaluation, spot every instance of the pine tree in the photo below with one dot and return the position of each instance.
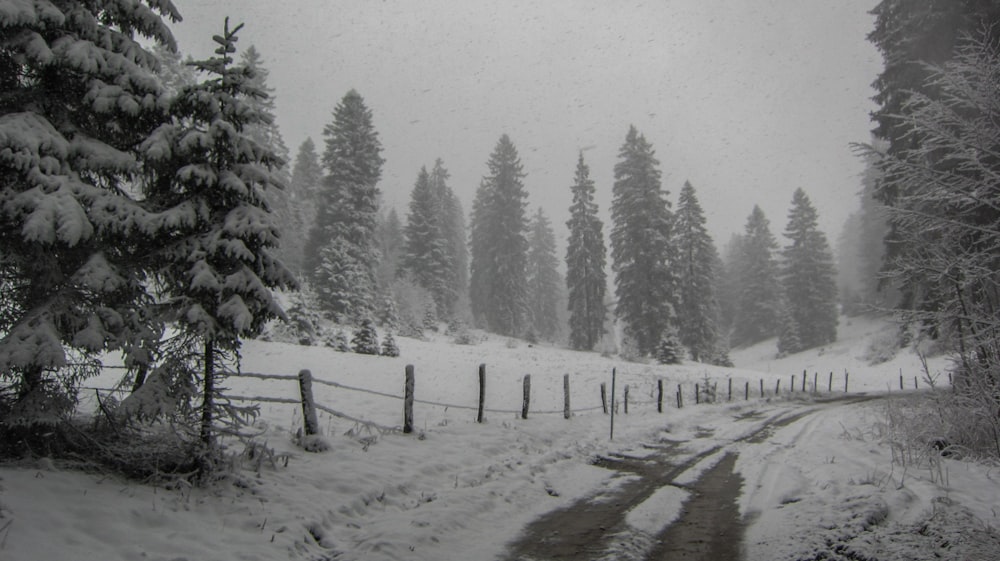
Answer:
(788, 332)
(365, 340)
(760, 293)
(698, 308)
(670, 350)
(79, 94)
(498, 282)
(641, 246)
(809, 276)
(304, 193)
(216, 270)
(342, 253)
(426, 252)
(915, 39)
(585, 262)
(280, 200)
(544, 281)
(452, 227)
(389, 347)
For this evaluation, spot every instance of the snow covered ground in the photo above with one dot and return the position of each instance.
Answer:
(456, 489)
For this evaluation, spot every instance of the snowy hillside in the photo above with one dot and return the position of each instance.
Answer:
(459, 490)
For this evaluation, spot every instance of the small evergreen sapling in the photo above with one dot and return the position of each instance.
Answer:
(389, 347)
(365, 339)
(670, 350)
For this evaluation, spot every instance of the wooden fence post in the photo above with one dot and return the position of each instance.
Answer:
(659, 395)
(730, 390)
(761, 387)
(309, 422)
(566, 412)
(680, 397)
(777, 387)
(900, 378)
(746, 392)
(626, 399)
(815, 382)
(792, 385)
(847, 377)
(697, 394)
(408, 401)
(613, 373)
(604, 397)
(527, 396)
(803, 381)
(482, 392)
(829, 387)
(914, 382)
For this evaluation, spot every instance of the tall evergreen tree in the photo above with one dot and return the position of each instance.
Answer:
(280, 200)
(391, 243)
(809, 275)
(303, 193)
(544, 281)
(698, 308)
(585, 261)
(79, 95)
(641, 246)
(759, 305)
(452, 226)
(209, 190)
(426, 254)
(499, 246)
(947, 216)
(915, 38)
(341, 254)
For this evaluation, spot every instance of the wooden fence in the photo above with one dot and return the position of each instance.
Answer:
(704, 392)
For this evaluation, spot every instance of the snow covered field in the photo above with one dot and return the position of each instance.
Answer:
(455, 489)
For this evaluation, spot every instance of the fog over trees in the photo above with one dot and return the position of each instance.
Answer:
(151, 209)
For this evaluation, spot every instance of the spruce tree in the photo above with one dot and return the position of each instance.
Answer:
(215, 266)
(498, 282)
(79, 94)
(641, 246)
(670, 350)
(452, 227)
(389, 347)
(391, 242)
(698, 308)
(281, 200)
(365, 339)
(304, 192)
(809, 276)
(341, 254)
(585, 261)
(426, 252)
(759, 289)
(729, 284)
(544, 281)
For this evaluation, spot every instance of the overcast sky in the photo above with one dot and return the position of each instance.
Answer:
(748, 100)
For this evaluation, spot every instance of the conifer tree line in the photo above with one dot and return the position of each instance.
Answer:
(171, 199)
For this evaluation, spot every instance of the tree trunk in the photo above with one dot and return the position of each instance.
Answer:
(208, 401)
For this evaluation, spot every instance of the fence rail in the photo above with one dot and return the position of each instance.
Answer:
(703, 393)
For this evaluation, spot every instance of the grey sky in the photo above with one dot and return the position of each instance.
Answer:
(748, 100)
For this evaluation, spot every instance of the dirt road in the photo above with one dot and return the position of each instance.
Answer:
(708, 527)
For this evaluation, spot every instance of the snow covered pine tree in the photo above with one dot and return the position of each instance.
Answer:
(211, 178)
(79, 95)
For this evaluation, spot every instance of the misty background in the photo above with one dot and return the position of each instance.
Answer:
(748, 101)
